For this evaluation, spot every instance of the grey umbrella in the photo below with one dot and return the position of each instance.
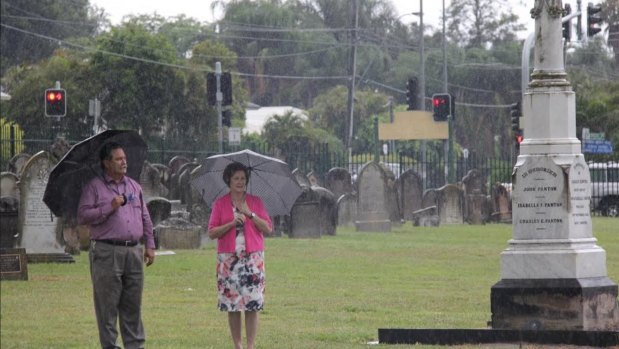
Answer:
(270, 179)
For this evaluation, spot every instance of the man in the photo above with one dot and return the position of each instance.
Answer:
(113, 207)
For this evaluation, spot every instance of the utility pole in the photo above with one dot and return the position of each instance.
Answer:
(219, 97)
(449, 167)
(422, 60)
(353, 71)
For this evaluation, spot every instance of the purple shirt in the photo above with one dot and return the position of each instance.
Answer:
(129, 222)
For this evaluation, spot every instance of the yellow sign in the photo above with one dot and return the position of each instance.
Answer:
(413, 125)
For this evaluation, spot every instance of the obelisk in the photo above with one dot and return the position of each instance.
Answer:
(553, 273)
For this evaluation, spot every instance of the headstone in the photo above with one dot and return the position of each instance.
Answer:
(150, 180)
(328, 221)
(59, 148)
(178, 233)
(164, 174)
(410, 191)
(17, 163)
(373, 199)
(159, 209)
(476, 203)
(393, 202)
(301, 178)
(8, 185)
(426, 217)
(41, 231)
(306, 215)
(13, 264)
(176, 162)
(501, 204)
(338, 181)
(9, 209)
(314, 179)
(450, 205)
(187, 193)
(347, 210)
(430, 198)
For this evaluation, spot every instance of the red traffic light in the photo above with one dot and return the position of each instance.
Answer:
(55, 102)
(519, 138)
(55, 96)
(442, 106)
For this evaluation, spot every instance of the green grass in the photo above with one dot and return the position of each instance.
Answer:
(333, 292)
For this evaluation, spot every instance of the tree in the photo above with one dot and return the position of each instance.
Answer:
(137, 75)
(476, 23)
(27, 23)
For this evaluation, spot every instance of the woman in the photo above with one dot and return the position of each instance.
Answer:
(238, 222)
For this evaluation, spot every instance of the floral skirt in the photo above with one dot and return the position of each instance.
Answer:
(240, 281)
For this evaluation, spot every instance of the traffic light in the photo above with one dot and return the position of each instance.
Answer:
(411, 93)
(515, 114)
(518, 138)
(567, 29)
(593, 20)
(226, 88)
(442, 106)
(226, 117)
(211, 89)
(55, 102)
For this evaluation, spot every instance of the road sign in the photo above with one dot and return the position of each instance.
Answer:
(597, 147)
(234, 136)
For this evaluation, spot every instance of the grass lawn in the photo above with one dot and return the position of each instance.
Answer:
(333, 292)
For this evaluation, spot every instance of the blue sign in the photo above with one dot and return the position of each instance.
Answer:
(597, 147)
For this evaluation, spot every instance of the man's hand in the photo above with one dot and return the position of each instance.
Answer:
(149, 256)
(117, 201)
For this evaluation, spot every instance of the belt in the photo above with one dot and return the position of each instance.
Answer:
(127, 243)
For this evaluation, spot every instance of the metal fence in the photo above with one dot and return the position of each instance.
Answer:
(431, 167)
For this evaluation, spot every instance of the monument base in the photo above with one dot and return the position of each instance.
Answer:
(50, 258)
(588, 304)
(378, 225)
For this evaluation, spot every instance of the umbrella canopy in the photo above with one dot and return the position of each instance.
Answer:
(270, 179)
(81, 163)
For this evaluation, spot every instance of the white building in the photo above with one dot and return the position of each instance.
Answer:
(256, 118)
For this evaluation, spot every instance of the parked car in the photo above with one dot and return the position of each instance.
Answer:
(605, 187)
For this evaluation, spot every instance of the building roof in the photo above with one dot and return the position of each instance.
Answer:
(255, 119)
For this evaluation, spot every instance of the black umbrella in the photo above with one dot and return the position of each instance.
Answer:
(270, 179)
(81, 163)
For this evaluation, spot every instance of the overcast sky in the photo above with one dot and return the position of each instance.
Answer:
(201, 9)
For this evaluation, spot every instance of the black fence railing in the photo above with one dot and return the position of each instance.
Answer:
(432, 167)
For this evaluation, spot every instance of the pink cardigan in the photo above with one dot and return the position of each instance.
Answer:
(222, 214)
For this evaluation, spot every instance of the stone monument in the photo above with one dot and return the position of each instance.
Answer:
(553, 274)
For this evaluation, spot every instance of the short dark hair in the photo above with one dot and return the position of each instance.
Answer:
(233, 167)
(107, 149)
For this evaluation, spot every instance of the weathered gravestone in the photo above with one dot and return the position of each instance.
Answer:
(314, 179)
(306, 215)
(373, 199)
(188, 195)
(338, 181)
(164, 174)
(501, 204)
(13, 264)
(150, 180)
(450, 205)
(475, 203)
(426, 217)
(301, 178)
(159, 209)
(430, 198)
(347, 210)
(41, 231)
(410, 191)
(17, 163)
(327, 203)
(393, 203)
(9, 209)
(178, 233)
(8, 185)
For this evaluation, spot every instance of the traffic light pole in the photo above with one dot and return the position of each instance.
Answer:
(220, 132)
